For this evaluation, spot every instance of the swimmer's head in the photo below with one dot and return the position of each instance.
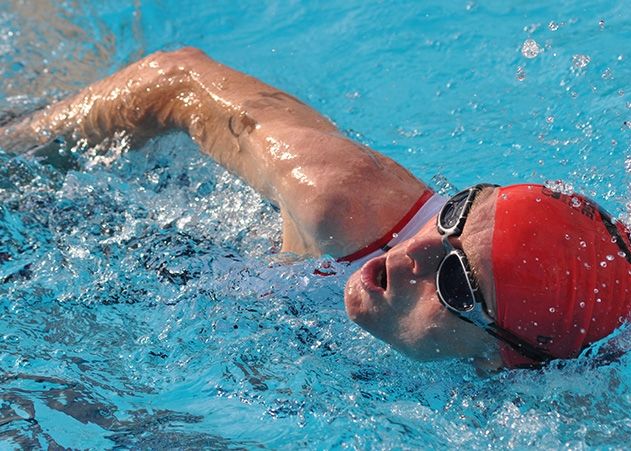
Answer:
(553, 270)
(561, 268)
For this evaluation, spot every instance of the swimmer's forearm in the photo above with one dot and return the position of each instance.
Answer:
(218, 106)
(137, 99)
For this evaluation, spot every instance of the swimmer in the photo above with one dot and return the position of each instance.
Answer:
(514, 276)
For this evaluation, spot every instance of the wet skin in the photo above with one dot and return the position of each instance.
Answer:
(394, 296)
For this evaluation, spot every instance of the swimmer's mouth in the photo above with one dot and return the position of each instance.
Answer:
(374, 275)
(382, 279)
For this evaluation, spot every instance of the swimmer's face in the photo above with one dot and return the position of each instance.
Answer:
(394, 296)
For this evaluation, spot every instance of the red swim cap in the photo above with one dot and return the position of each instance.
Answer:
(562, 270)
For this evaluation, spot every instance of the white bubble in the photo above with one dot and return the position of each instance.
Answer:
(530, 49)
(580, 61)
(559, 186)
(553, 26)
(521, 74)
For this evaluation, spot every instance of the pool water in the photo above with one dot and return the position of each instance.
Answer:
(143, 302)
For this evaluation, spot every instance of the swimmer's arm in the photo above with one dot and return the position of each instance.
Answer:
(220, 108)
(323, 183)
(184, 89)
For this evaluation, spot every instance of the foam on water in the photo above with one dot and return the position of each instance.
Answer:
(143, 302)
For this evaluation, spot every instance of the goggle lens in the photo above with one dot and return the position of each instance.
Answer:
(453, 284)
(452, 212)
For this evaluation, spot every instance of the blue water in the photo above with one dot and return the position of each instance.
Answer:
(143, 303)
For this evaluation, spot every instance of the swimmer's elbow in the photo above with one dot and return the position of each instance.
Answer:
(182, 59)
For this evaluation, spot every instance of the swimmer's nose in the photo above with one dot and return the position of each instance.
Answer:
(426, 253)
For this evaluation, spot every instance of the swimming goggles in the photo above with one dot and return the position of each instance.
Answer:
(458, 288)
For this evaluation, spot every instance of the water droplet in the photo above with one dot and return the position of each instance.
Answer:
(595, 290)
(581, 304)
(395, 235)
(607, 74)
(583, 244)
(580, 61)
(583, 331)
(599, 300)
(559, 186)
(603, 264)
(622, 254)
(521, 74)
(610, 257)
(567, 237)
(412, 282)
(601, 24)
(538, 199)
(553, 26)
(552, 310)
(530, 48)
(550, 119)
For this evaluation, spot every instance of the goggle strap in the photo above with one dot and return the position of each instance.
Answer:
(517, 344)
